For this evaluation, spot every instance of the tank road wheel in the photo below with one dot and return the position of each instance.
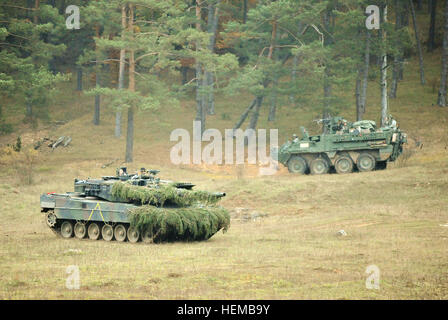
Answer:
(147, 237)
(67, 229)
(319, 166)
(94, 231)
(343, 164)
(120, 232)
(107, 232)
(133, 234)
(80, 230)
(296, 164)
(366, 162)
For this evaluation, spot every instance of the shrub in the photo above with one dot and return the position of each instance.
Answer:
(22, 162)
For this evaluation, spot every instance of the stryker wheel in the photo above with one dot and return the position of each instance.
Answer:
(94, 231)
(343, 164)
(107, 232)
(67, 229)
(80, 230)
(120, 233)
(133, 234)
(366, 162)
(319, 166)
(296, 164)
(147, 237)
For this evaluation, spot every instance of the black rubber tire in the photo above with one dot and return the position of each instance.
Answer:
(366, 162)
(343, 164)
(296, 164)
(319, 166)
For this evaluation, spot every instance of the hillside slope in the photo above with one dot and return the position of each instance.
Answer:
(395, 219)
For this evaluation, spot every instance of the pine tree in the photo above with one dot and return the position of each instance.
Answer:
(30, 40)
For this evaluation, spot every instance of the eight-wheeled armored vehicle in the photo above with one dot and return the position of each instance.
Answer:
(343, 146)
(135, 207)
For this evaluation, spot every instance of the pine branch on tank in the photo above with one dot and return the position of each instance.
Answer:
(180, 224)
(161, 194)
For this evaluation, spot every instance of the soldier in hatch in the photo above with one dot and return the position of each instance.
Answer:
(391, 122)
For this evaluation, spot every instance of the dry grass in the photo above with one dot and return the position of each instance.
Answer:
(393, 218)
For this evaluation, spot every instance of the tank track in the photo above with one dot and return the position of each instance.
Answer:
(94, 230)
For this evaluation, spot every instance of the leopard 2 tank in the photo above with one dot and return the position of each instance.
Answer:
(135, 207)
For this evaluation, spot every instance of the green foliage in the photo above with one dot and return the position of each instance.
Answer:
(5, 128)
(30, 40)
(180, 224)
(161, 194)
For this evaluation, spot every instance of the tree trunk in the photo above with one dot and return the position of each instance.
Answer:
(365, 77)
(419, 46)
(245, 114)
(384, 106)
(130, 135)
(121, 71)
(200, 101)
(96, 115)
(397, 56)
(404, 23)
(358, 96)
(327, 97)
(441, 100)
(272, 109)
(256, 113)
(130, 126)
(79, 79)
(213, 17)
(29, 111)
(326, 83)
(295, 62)
(432, 24)
(35, 16)
(244, 11)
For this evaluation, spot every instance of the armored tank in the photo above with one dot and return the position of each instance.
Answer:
(344, 146)
(135, 207)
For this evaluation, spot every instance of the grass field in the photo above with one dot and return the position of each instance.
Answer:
(396, 219)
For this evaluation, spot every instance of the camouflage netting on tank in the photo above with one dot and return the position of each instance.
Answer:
(162, 194)
(180, 224)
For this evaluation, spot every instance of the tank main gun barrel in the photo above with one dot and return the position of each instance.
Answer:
(219, 194)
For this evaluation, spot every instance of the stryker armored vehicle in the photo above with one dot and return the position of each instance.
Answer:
(343, 146)
(134, 207)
